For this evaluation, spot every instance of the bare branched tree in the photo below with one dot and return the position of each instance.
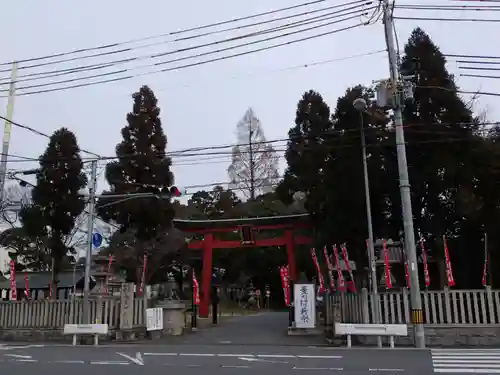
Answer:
(254, 166)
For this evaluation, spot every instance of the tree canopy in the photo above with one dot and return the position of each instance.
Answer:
(449, 155)
(56, 200)
(254, 166)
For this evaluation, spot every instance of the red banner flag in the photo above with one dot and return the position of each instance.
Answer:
(196, 290)
(340, 275)
(351, 285)
(449, 271)
(26, 285)
(110, 263)
(427, 277)
(13, 286)
(330, 269)
(407, 275)
(318, 269)
(388, 280)
(286, 284)
(143, 277)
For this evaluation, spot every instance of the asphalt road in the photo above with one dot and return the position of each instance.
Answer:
(210, 359)
(256, 343)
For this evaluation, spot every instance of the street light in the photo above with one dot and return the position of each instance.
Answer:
(360, 105)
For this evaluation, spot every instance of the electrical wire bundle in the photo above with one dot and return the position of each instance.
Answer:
(112, 62)
(477, 63)
(487, 10)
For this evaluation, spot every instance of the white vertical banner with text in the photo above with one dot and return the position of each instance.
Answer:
(304, 298)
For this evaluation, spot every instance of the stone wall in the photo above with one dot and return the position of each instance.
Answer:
(443, 336)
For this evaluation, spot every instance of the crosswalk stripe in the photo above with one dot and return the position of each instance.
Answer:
(481, 361)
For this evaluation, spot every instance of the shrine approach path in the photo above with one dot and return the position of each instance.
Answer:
(264, 328)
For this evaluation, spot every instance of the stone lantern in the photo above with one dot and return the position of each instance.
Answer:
(101, 275)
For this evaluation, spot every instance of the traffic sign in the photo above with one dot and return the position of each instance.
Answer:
(97, 239)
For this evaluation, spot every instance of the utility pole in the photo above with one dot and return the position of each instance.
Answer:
(7, 129)
(251, 163)
(404, 182)
(360, 105)
(90, 229)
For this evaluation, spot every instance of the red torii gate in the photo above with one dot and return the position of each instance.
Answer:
(246, 226)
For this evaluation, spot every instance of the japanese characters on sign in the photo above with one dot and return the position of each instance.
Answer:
(154, 319)
(304, 305)
(285, 283)
(127, 306)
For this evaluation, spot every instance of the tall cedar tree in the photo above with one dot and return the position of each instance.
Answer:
(56, 202)
(306, 154)
(142, 167)
(441, 136)
(345, 202)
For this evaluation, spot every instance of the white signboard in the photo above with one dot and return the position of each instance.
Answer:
(304, 298)
(154, 319)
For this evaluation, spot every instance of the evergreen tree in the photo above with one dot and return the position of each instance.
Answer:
(56, 202)
(345, 199)
(441, 137)
(307, 153)
(142, 166)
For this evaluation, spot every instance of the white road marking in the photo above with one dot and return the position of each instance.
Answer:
(468, 357)
(70, 362)
(109, 363)
(25, 360)
(481, 361)
(4, 347)
(18, 356)
(386, 369)
(320, 356)
(318, 368)
(469, 370)
(238, 355)
(137, 360)
(437, 361)
(235, 366)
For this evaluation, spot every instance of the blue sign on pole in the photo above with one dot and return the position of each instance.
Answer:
(97, 239)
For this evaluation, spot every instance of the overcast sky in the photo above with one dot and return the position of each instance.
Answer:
(201, 105)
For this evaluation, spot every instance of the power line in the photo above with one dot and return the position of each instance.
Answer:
(479, 8)
(480, 76)
(104, 65)
(179, 32)
(38, 132)
(472, 56)
(180, 50)
(222, 150)
(448, 19)
(216, 59)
